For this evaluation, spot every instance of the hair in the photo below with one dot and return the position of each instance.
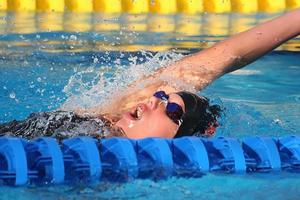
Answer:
(200, 117)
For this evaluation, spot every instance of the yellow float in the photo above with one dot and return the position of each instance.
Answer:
(50, 5)
(21, 5)
(107, 6)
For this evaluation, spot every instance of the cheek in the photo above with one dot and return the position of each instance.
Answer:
(155, 124)
(159, 125)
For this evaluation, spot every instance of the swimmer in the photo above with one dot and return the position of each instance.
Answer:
(164, 109)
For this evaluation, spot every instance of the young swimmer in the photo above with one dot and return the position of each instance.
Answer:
(164, 109)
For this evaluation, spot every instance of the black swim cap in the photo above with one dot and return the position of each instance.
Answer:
(199, 116)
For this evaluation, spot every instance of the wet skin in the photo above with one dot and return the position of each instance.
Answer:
(149, 119)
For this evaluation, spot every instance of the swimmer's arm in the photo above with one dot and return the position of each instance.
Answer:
(243, 48)
(200, 69)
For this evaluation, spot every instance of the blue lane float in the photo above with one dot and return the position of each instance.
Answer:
(45, 161)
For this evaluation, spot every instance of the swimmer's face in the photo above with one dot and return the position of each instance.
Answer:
(150, 119)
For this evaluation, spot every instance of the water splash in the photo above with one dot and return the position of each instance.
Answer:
(94, 86)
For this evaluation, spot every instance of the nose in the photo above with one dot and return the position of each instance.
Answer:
(154, 102)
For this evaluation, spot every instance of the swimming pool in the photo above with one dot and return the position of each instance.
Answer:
(41, 70)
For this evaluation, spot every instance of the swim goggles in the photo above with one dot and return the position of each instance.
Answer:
(173, 110)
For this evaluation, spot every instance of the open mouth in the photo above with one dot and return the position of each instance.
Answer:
(137, 113)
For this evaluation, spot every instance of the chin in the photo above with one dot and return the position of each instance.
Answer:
(121, 123)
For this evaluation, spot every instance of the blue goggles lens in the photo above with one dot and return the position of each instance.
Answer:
(173, 110)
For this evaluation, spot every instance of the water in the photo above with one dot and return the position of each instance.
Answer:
(268, 87)
(212, 186)
(44, 68)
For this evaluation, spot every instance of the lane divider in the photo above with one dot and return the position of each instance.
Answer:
(150, 6)
(89, 160)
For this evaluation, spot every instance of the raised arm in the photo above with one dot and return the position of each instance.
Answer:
(246, 47)
(196, 71)
(202, 68)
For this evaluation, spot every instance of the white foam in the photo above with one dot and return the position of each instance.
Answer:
(92, 86)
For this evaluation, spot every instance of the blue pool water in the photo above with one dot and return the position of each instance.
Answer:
(43, 70)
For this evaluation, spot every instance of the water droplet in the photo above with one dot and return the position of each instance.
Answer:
(12, 95)
(39, 79)
(73, 37)
(95, 60)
